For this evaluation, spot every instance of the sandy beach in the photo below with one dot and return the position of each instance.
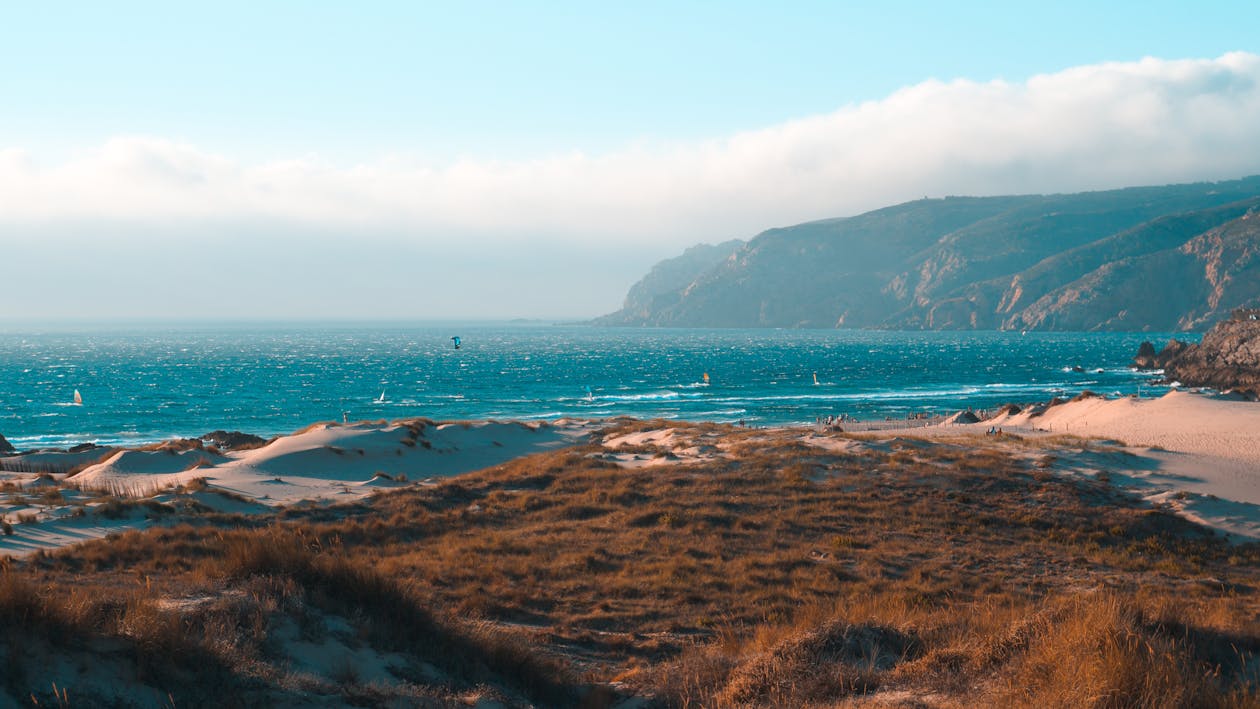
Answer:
(1198, 453)
(592, 540)
(1195, 453)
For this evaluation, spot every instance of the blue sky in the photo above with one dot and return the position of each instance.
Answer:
(511, 80)
(605, 136)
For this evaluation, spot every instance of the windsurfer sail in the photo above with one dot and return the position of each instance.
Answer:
(455, 339)
(78, 398)
(590, 395)
(381, 398)
(706, 379)
(815, 378)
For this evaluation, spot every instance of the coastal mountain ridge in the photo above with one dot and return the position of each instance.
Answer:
(1168, 258)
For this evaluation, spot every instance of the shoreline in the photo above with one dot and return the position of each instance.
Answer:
(1194, 453)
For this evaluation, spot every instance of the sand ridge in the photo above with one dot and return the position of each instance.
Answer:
(326, 462)
(1195, 453)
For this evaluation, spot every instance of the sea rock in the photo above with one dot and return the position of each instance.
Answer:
(233, 440)
(1171, 351)
(1145, 358)
(1227, 358)
(6, 447)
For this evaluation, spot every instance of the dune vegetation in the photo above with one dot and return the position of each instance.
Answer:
(737, 568)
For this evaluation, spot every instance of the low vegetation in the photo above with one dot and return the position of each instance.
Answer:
(888, 572)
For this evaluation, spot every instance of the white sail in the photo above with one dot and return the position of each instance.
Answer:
(382, 399)
(78, 398)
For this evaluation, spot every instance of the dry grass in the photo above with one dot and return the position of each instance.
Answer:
(75, 470)
(942, 573)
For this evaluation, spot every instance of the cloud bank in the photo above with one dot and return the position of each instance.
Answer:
(1091, 127)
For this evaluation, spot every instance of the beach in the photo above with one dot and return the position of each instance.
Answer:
(556, 561)
(1195, 453)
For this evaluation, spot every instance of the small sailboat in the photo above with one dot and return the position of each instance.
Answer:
(381, 399)
(78, 398)
(815, 378)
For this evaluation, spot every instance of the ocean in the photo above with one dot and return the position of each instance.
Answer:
(142, 385)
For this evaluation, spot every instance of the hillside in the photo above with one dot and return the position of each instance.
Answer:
(663, 284)
(1146, 258)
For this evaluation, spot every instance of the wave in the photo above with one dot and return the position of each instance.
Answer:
(666, 395)
(892, 395)
(1027, 386)
(1127, 371)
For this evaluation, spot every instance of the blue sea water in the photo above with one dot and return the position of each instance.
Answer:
(148, 384)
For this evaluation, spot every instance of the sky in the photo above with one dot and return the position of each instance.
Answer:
(411, 160)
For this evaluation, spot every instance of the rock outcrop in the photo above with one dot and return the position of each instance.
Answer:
(1171, 258)
(5, 446)
(233, 440)
(1146, 358)
(1228, 358)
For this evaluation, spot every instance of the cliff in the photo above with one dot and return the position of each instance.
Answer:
(1228, 358)
(1150, 258)
(664, 283)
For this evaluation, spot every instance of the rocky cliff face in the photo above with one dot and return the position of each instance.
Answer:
(1153, 258)
(1228, 358)
(664, 283)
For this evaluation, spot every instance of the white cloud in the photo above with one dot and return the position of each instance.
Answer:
(1106, 125)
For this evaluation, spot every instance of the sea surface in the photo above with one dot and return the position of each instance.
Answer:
(141, 385)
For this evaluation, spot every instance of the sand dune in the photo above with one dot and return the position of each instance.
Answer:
(1195, 453)
(1179, 421)
(330, 462)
